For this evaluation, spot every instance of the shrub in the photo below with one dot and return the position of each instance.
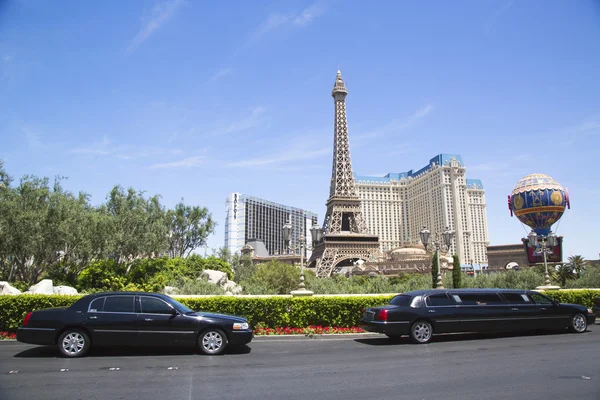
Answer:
(456, 272)
(266, 312)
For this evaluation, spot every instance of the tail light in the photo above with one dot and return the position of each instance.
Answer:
(26, 320)
(382, 316)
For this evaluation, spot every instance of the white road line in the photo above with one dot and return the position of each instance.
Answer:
(114, 368)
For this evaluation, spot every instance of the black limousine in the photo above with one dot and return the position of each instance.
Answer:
(132, 319)
(420, 314)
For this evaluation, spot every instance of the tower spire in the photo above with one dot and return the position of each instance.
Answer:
(345, 233)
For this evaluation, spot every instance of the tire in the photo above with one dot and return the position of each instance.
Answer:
(212, 342)
(421, 332)
(578, 323)
(73, 343)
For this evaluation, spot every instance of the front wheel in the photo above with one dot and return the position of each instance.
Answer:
(212, 342)
(73, 343)
(421, 332)
(578, 323)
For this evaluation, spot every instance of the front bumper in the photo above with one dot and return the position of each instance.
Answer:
(241, 337)
(43, 336)
(591, 319)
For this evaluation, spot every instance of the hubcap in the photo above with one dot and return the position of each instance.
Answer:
(422, 332)
(212, 342)
(579, 323)
(73, 343)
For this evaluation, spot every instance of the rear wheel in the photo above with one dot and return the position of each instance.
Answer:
(578, 323)
(212, 342)
(73, 343)
(421, 332)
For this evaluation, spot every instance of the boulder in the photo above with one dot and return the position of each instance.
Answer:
(232, 287)
(216, 277)
(5, 288)
(170, 290)
(42, 287)
(64, 290)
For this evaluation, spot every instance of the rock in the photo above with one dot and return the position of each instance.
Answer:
(64, 290)
(216, 277)
(5, 288)
(232, 287)
(170, 290)
(42, 287)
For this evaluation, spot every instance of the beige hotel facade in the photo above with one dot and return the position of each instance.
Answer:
(398, 205)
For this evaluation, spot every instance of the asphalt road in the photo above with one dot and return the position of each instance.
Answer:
(534, 366)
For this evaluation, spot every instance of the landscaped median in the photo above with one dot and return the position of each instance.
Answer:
(270, 315)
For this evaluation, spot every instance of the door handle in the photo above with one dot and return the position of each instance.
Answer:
(148, 319)
(514, 309)
(543, 308)
(92, 317)
(431, 310)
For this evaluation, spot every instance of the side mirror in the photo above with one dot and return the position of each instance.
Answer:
(555, 302)
(174, 312)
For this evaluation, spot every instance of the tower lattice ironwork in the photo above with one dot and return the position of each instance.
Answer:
(345, 233)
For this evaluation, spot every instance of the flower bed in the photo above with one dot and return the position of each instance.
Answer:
(307, 331)
(7, 335)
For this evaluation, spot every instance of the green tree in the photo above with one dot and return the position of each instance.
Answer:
(565, 272)
(243, 267)
(456, 272)
(273, 277)
(189, 227)
(578, 264)
(434, 271)
(139, 226)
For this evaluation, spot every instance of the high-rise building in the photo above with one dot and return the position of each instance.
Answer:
(249, 218)
(398, 205)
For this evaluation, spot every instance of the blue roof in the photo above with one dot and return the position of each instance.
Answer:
(474, 184)
(440, 159)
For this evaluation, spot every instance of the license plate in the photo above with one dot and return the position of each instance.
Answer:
(368, 316)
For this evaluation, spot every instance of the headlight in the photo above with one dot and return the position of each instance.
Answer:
(590, 311)
(240, 325)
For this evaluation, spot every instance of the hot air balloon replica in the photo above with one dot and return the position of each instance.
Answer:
(539, 201)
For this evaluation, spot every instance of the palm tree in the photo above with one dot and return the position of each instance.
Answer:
(578, 264)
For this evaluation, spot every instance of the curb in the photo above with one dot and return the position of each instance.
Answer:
(325, 336)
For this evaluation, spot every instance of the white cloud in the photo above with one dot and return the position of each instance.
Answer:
(396, 124)
(295, 155)
(221, 74)
(276, 20)
(98, 148)
(161, 12)
(244, 123)
(185, 163)
(108, 148)
(308, 14)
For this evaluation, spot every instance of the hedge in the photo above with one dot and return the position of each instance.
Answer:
(271, 312)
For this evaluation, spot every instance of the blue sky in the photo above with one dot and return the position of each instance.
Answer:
(196, 99)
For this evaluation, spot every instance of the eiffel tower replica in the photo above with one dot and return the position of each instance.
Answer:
(345, 234)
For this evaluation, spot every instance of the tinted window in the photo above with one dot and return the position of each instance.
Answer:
(516, 298)
(119, 304)
(540, 299)
(440, 300)
(152, 305)
(401, 300)
(479, 299)
(97, 304)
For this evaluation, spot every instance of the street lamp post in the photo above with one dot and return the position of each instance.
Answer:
(543, 245)
(316, 234)
(438, 245)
